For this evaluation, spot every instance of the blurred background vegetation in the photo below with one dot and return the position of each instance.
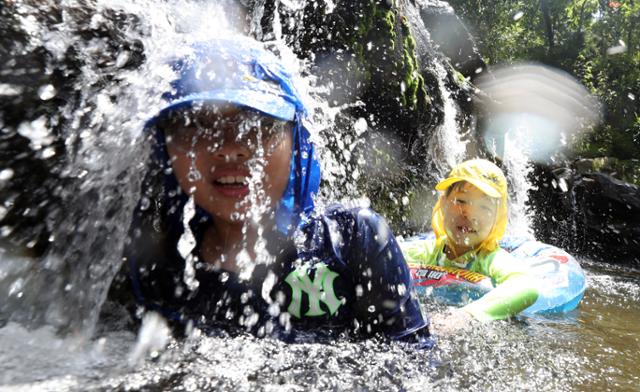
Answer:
(597, 41)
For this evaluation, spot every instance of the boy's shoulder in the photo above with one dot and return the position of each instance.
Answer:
(349, 210)
(343, 229)
(502, 254)
(346, 216)
(503, 262)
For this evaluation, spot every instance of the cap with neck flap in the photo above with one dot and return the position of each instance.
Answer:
(241, 72)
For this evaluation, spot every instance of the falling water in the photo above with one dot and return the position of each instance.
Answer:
(101, 132)
(99, 173)
(101, 121)
(518, 168)
(447, 146)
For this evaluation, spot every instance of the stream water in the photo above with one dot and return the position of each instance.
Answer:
(596, 346)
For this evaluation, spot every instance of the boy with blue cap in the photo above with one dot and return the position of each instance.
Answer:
(234, 238)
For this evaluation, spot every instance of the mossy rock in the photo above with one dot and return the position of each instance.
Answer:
(378, 62)
(366, 50)
(627, 170)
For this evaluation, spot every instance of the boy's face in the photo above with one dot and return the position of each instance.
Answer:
(230, 159)
(469, 216)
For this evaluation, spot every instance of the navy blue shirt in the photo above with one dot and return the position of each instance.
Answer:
(343, 270)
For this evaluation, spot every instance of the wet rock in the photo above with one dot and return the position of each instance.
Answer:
(365, 50)
(625, 170)
(452, 36)
(591, 214)
(63, 183)
(379, 62)
(44, 57)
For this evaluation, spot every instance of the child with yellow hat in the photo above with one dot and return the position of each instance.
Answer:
(469, 220)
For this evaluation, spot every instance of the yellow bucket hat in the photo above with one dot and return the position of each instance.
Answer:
(487, 177)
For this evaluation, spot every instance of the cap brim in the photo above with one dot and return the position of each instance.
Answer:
(271, 104)
(486, 189)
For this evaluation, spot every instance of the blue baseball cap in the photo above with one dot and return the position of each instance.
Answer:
(238, 71)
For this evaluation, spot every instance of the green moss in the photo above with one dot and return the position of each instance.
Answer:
(627, 170)
(459, 78)
(373, 43)
(414, 90)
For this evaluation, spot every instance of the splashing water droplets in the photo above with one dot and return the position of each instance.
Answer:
(194, 175)
(47, 92)
(6, 174)
(145, 203)
(153, 336)
(186, 245)
(37, 132)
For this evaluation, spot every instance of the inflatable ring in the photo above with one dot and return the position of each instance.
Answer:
(561, 279)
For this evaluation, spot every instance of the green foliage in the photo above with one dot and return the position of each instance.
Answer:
(595, 40)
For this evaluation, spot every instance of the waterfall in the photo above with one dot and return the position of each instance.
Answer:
(447, 146)
(518, 167)
(95, 141)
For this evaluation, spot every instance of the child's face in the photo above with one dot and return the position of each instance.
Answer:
(469, 216)
(221, 155)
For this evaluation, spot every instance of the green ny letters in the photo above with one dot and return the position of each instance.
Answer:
(320, 289)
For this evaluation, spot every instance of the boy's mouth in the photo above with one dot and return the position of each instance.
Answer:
(232, 181)
(466, 229)
(232, 185)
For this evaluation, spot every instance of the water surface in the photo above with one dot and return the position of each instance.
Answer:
(594, 347)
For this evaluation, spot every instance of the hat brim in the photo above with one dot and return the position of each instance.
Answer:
(485, 188)
(277, 106)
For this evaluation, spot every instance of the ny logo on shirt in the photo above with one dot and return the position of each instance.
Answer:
(320, 289)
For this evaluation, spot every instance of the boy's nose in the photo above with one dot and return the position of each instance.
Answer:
(465, 212)
(232, 151)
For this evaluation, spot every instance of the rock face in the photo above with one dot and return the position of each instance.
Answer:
(366, 50)
(67, 180)
(43, 105)
(592, 214)
(625, 170)
(451, 36)
(380, 63)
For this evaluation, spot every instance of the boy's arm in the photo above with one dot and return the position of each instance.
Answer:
(384, 290)
(419, 252)
(516, 290)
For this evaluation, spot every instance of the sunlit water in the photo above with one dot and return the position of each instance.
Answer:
(594, 347)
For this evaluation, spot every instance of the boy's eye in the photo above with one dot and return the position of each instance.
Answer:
(191, 135)
(250, 129)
